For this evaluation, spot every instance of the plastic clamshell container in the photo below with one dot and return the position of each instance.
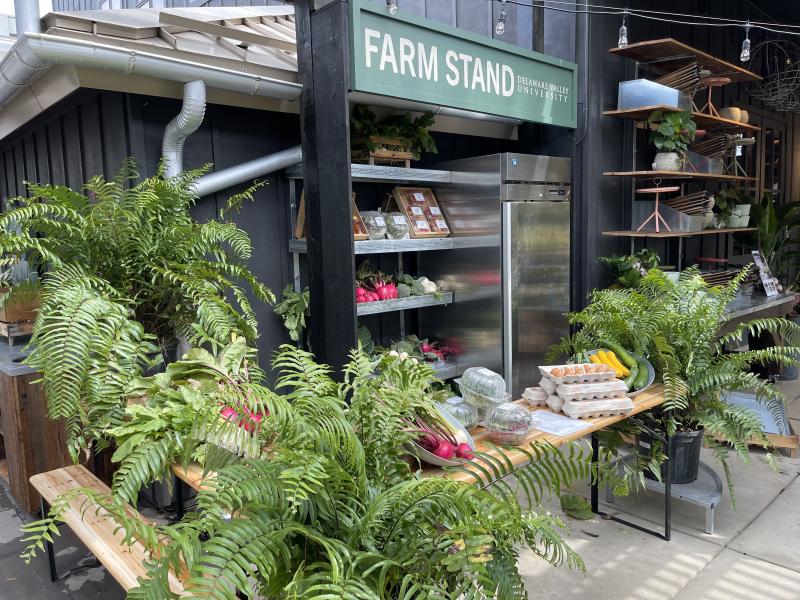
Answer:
(464, 413)
(482, 388)
(508, 424)
(535, 396)
(547, 372)
(570, 392)
(555, 403)
(586, 409)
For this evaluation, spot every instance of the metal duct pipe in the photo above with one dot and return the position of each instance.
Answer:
(182, 126)
(26, 15)
(220, 180)
(32, 53)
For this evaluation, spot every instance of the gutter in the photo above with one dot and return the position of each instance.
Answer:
(33, 53)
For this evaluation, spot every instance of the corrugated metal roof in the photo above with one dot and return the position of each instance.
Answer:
(258, 40)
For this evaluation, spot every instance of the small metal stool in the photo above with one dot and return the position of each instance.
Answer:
(705, 491)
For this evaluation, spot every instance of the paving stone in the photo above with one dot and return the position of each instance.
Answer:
(622, 564)
(775, 535)
(733, 576)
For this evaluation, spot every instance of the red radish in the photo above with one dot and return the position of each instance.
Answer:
(250, 421)
(445, 450)
(464, 451)
(360, 291)
(425, 347)
(228, 413)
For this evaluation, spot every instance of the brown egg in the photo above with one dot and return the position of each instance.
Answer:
(557, 372)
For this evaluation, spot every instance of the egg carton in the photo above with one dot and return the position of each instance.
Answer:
(587, 409)
(535, 396)
(555, 402)
(548, 385)
(547, 372)
(571, 392)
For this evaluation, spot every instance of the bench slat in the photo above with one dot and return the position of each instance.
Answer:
(96, 531)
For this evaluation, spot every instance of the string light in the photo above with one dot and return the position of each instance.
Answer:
(623, 32)
(500, 27)
(391, 6)
(745, 55)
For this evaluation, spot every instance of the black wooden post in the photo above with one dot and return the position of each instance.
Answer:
(324, 70)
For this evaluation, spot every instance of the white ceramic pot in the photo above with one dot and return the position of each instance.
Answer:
(741, 210)
(667, 161)
(742, 221)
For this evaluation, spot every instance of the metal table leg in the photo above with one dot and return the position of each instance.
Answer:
(179, 511)
(595, 491)
(51, 555)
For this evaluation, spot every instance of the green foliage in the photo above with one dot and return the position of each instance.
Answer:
(327, 507)
(628, 270)
(576, 507)
(126, 271)
(293, 309)
(413, 133)
(776, 239)
(677, 326)
(671, 131)
(726, 200)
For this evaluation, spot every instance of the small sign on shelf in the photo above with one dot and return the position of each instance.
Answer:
(766, 277)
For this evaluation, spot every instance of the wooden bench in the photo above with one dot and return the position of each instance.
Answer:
(97, 531)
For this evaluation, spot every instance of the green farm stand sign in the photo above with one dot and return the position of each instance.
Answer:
(416, 59)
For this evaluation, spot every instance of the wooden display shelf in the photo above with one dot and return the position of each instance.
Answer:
(703, 120)
(677, 175)
(676, 234)
(671, 54)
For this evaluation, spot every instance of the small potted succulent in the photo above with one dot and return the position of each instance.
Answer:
(671, 133)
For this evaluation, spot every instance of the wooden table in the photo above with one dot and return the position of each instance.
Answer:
(193, 474)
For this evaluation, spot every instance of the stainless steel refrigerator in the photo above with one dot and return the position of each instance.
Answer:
(510, 273)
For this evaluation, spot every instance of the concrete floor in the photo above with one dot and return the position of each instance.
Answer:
(754, 553)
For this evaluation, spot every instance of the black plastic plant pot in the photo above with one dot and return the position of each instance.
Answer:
(684, 460)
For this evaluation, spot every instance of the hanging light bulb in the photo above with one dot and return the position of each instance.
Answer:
(623, 32)
(745, 55)
(391, 6)
(500, 27)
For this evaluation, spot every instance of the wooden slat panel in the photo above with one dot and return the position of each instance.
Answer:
(91, 145)
(97, 531)
(16, 428)
(683, 53)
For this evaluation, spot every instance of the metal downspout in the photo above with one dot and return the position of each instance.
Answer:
(26, 15)
(220, 180)
(182, 126)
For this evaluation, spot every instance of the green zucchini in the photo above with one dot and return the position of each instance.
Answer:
(631, 379)
(642, 377)
(621, 353)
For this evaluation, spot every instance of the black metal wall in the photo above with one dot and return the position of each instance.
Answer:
(92, 132)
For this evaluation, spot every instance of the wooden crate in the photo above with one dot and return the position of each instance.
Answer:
(359, 229)
(396, 153)
(421, 209)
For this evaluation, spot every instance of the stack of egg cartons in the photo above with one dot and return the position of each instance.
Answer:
(581, 391)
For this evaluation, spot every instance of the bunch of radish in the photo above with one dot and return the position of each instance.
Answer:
(440, 442)
(249, 420)
(373, 285)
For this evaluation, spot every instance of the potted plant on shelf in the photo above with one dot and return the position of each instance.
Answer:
(126, 271)
(732, 205)
(776, 225)
(676, 326)
(671, 133)
(628, 270)
(394, 138)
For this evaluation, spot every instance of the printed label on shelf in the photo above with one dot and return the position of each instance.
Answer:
(399, 220)
(423, 225)
(380, 222)
(441, 224)
(435, 210)
(418, 197)
(416, 211)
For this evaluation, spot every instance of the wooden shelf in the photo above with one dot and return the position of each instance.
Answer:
(676, 234)
(671, 54)
(677, 175)
(703, 120)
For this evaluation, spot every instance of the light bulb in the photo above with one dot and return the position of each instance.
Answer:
(500, 28)
(391, 6)
(622, 41)
(623, 37)
(745, 55)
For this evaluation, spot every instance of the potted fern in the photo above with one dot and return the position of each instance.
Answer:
(676, 325)
(125, 271)
(316, 498)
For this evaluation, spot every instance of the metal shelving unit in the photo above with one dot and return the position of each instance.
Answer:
(361, 173)
(420, 245)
